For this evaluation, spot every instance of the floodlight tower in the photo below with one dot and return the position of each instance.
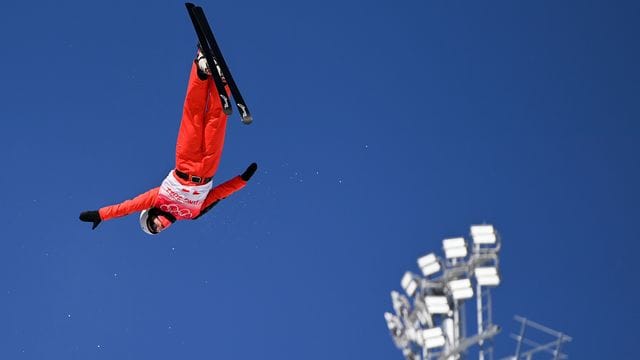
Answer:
(432, 325)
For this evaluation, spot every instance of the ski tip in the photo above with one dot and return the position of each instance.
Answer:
(247, 120)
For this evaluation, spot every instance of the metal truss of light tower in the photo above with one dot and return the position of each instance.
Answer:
(484, 260)
(484, 314)
(526, 348)
(466, 343)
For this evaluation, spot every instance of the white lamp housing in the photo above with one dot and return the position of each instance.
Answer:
(393, 322)
(454, 248)
(409, 283)
(483, 234)
(400, 303)
(461, 289)
(413, 335)
(429, 264)
(397, 330)
(437, 304)
(433, 338)
(422, 314)
(487, 276)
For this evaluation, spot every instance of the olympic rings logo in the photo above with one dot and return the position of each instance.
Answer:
(176, 211)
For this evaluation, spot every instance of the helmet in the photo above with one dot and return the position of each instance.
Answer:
(146, 216)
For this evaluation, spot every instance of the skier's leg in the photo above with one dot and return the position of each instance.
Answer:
(189, 147)
(215, 126)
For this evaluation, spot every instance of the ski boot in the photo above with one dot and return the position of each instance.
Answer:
(203, 66)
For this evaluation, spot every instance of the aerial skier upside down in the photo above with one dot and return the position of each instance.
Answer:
(187, 192)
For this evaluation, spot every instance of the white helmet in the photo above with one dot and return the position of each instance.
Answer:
(144, 216)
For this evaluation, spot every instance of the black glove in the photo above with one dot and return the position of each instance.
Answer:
(91, 216)
(247, 174)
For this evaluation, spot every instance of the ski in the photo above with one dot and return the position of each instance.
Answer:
(207, 40)
(206, 51)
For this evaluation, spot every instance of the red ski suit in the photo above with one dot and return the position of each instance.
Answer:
(198, 151)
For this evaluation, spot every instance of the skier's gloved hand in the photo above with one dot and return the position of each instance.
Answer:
(91, 216)
(247, 174)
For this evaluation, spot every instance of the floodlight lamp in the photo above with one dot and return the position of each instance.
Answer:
(389, 318)
(459, 284)
(483, 234)
(433, 338)
(423, 315)
(461, 289)
(413, 335)
(437, 304)
(393, 322)
(487, 276)
(429, 264)
(409, 283)
(463, 294)
(482, 229)
(454, 248)
(400, 303)
(488, 239)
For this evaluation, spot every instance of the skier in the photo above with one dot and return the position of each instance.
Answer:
(187, 192)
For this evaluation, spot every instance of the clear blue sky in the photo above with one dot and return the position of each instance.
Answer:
(380, 128)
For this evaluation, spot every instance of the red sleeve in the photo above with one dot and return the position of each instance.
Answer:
(139, 203)
(223, 190)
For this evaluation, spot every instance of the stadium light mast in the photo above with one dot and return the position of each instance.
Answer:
(430, 321)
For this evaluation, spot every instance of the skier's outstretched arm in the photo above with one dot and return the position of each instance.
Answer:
(227, 188)
(139, 203)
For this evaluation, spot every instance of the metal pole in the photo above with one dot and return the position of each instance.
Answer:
(463, 321)
(456, 325)
(557, 351)
(449, 329)
(520, 337)
(456, 318)
(489, 322)
(479, 312)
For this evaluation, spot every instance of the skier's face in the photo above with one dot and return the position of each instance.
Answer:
(157, 224)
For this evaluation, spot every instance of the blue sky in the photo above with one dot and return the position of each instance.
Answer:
(381, 127)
